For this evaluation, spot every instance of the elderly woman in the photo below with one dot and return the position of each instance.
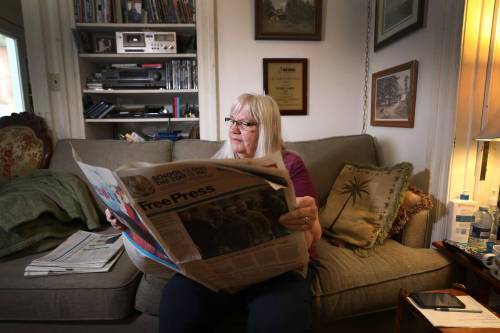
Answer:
(283, 303)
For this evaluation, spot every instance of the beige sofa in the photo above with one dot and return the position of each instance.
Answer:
(346, 285)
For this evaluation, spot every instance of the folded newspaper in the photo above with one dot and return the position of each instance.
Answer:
(82, 252)
(214, 221)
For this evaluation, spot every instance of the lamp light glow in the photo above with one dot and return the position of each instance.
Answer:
(492, 130)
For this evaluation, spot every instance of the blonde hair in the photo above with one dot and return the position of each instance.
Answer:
(265, 111)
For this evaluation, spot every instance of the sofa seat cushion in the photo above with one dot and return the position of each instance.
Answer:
(347, 284)
(96, 296)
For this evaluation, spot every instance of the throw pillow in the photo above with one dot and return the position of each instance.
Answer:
(414, 201)
(362, 205)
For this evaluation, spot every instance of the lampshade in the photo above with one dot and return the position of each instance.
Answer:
(492, 130)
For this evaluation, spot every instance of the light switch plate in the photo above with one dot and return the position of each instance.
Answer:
(54, 81)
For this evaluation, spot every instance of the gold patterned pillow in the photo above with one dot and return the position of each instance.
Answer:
(362, 205)
(20, 151)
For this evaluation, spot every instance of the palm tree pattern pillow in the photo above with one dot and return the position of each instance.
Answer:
(363, 204)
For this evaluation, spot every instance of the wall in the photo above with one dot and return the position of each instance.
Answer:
(428, 45)
(335, 66)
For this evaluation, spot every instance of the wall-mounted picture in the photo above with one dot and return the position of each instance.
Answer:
(288, 19)
(395, 19)
(394, 92)
(104, 44)
(285, 80)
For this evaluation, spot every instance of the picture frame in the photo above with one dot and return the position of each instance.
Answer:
(395, 19)
(285, 79)
(288, 19)
(104, 44)
(393, 96)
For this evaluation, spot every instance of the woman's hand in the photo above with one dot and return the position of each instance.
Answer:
(114, 221)
(303, 218)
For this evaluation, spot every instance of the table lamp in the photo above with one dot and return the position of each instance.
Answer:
(490, 133)
(492, 130)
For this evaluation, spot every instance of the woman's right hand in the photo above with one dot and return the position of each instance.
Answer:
(114, 221)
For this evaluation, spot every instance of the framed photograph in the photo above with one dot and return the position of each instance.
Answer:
(285, 80)
(104, 44)
(394, 91)
(288, 19)
(395, 19)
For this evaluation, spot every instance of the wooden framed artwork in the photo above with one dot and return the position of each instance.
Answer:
(395, 19)
(394, 92)
(288, 19)
(285, 80)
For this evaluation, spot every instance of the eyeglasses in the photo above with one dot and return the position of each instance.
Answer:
(241, 124)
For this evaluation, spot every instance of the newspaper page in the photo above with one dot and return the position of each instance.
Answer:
(82, 252)
(215, 221)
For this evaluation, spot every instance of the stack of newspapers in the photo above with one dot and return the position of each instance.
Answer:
(82, 252)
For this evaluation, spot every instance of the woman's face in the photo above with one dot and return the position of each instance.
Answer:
(243, 138)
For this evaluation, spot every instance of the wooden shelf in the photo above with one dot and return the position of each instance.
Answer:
(136, 26)
(120, 57)
(139, 91)
(140, 120)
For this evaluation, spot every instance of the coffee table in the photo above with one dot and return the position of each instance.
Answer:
(487, 282)
(409, 319)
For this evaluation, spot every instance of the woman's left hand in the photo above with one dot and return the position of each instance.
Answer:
(303, 217)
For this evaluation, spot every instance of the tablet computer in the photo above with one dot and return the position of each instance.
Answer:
(437, 300)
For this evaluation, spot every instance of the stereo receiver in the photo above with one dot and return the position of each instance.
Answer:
(130, 78)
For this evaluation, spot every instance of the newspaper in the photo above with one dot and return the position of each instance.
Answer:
(214, 221)
(82, 252)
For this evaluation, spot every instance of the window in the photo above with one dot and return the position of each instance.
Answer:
(11, 88)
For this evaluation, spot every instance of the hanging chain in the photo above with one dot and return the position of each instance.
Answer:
(367, 68)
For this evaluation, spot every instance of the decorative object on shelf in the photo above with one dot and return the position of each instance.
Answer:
(394, 93)
(104, 44)
(286, 81)
(395, 19)
(288, 19)
(134, 11)
(83, 41)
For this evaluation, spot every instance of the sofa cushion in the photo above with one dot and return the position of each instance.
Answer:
(148, 295)
(414, 202)
(109, 154)
(324, 158)
(363, 205)
(96, 296)
(347, 284)
(194, 149)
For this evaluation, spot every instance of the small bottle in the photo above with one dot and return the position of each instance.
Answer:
(495, 214)
(480, 229)
(461, 212)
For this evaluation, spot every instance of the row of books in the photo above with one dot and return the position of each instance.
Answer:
(98, 110)
(171, 11)
(135, 11)
(182, 74)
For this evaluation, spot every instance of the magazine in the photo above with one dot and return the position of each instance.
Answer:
(214, 221)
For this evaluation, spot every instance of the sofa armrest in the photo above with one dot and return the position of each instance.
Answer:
(415, 231)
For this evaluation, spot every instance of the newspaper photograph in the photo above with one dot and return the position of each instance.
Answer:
(215, 221)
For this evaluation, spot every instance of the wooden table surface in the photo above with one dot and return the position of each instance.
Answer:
(405, 307)
(487, 281)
